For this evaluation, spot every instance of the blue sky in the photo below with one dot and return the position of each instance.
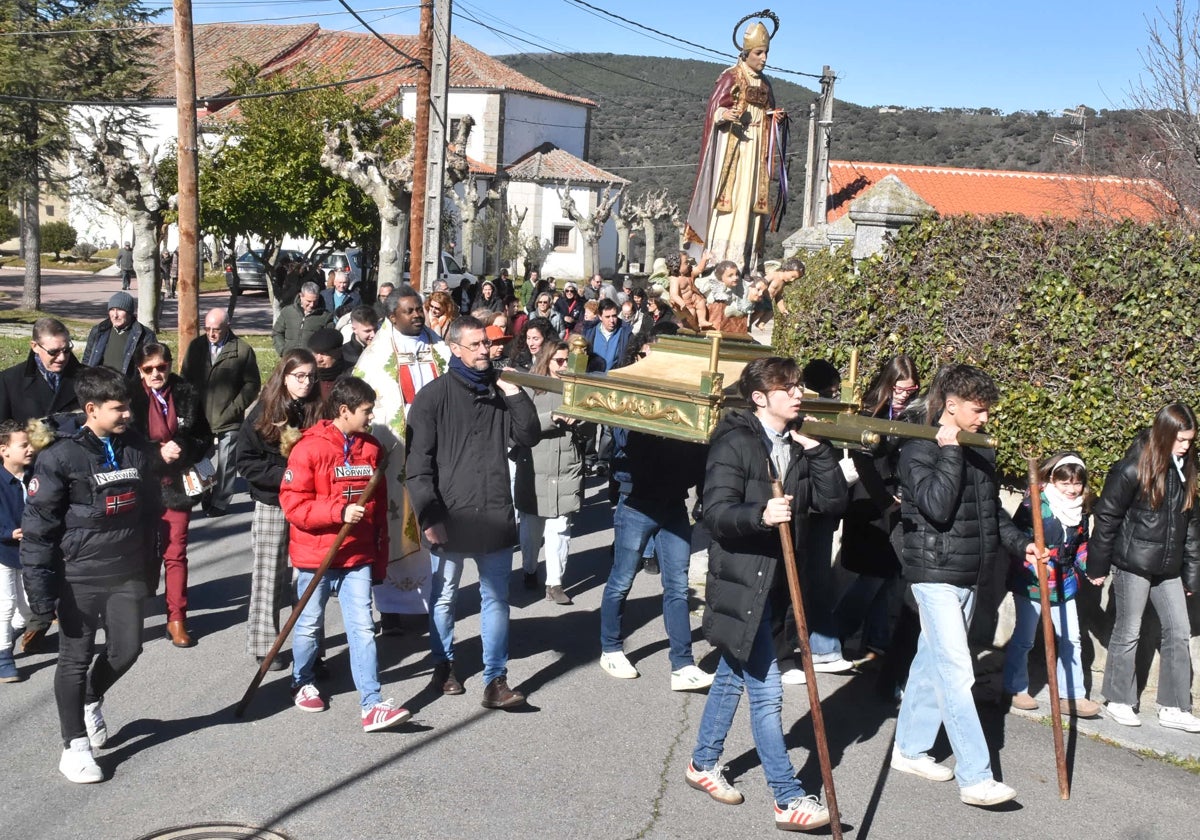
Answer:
(1011, 55)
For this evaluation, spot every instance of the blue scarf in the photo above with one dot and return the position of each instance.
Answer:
(479, 381)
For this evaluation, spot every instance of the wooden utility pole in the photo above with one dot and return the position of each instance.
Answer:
(416, 223)
(189, 195)
(438, 130)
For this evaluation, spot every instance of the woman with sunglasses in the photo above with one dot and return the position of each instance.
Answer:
(170, 415)
(549, 481)
(440, 312)
(290, 403)
(569, 308)
(873, 512)
(543, 307)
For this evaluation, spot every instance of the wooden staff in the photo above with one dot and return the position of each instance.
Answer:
(814, 698)
(1039, 540)
(308, 592)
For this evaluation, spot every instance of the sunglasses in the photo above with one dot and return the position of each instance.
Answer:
(58, 351)
(163, 368)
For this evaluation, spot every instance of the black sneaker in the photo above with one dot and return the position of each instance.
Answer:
(277, 664)
(650, 565)
(390, 624)
(531, 580)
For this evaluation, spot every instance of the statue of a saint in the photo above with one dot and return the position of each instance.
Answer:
(742, 151)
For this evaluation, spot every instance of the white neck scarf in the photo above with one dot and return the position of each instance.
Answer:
(1067, 511)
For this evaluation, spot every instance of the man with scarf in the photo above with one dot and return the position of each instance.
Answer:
(460, 429)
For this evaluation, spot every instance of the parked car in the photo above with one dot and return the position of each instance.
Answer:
(252, 271)
(351, 259)
(451, 272)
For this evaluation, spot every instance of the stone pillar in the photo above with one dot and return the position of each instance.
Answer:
(881, 211)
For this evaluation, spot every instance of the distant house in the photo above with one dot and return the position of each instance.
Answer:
(868, 200)
(513, 115)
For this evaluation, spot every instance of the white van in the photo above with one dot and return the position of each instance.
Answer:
(451, 272)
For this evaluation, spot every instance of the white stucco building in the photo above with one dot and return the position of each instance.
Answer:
(514, 117)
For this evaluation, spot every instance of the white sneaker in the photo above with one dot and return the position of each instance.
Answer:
(803, 813)
(1173, 718)
(1123, 714)
(616, 665)
(833, 666)
(690, 678)
(78, 765)
(93, 719)
(986, 793)
(793, 676)
(923, 766)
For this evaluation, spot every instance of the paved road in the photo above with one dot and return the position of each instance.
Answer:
(591, 757)
(85, 296)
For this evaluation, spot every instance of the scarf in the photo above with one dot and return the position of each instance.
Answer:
(1067, 511)
(162, 423)
(479, 381)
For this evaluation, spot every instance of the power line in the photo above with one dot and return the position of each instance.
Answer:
(413, 62)
(531, 56)
(125, 29)
(580, 60)
(683, 40)
(200, 100)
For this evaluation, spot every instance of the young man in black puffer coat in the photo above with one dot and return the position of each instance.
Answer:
(746, 589)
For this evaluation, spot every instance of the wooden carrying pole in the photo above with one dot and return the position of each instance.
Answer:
(1048, 635)
(814, 698)
(326, 562)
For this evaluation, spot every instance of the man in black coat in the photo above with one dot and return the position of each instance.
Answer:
(954, 533)
(460, 429)
(746, 591)
(44, 383)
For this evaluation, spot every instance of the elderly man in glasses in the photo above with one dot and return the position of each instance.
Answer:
(43, 384)
(222, 367)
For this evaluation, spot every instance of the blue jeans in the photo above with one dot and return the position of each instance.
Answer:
(939, 684)
(759, 675)
(672, 534)
(494, 569)
(1066, 630)
(353, 590)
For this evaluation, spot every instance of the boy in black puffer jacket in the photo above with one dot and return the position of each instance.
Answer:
(745, 593)
(954, 529)
(91, 509)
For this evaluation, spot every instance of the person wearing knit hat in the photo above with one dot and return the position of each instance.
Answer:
(113, 342)
(326, 346)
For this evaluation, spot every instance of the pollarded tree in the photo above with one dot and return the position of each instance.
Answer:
(122, 173)
(96, 54)
(591, 226)
(263, 179)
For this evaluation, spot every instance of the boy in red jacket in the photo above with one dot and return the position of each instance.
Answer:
(327, 472)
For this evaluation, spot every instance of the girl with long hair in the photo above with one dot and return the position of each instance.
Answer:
(873, 513)
(289, 403)
(1146, 535)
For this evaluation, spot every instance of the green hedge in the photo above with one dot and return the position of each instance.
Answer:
(1088, 328)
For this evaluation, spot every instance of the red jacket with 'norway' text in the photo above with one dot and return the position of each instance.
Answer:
(319, 483)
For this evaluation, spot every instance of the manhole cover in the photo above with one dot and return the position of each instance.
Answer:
(214, 831)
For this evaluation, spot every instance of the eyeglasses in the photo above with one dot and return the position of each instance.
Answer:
(543, 300)
(163, 368)
(475, 346)
(912, 389)
(558, 360)
(791, 388)
(434, 311)
(301, 377)
(58, 351)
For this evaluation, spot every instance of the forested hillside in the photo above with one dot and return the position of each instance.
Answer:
(647, 125)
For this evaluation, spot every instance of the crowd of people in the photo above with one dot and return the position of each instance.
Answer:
(105, 459)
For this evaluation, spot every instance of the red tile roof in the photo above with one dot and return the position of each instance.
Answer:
(549, 163)
(479, 167)
(276, 49)
(220, 46)
(953, 191)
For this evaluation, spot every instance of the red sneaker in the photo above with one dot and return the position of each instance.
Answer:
(308, 699)
(384, 715)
